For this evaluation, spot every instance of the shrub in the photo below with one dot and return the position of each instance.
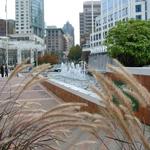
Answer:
(48, 58)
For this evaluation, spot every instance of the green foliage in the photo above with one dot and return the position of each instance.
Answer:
(75, 53)
(121, 85)
(129, 42)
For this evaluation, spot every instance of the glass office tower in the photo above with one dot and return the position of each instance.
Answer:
(37, 17)
(30, 17)
(113, 11)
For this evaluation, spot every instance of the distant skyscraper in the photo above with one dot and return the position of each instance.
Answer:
(86, 20)
(30, 17)
(69, 29)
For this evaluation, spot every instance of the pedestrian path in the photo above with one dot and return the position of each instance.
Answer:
(36, 93)
(47, 100)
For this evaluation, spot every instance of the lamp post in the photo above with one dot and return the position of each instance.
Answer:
(6, 34)
(36, 57)
(36, 54)
(92, 23)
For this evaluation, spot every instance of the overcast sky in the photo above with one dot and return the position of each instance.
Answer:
(57, 12)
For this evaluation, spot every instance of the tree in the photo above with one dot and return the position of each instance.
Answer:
(129, 42)
(75, 53)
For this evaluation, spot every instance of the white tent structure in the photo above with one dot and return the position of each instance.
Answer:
(18, 51)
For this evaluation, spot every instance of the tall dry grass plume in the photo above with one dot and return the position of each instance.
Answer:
(114, 127)
(117, 111)
(23, 127)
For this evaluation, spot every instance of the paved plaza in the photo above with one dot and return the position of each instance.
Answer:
(36, 93)
(47, 99)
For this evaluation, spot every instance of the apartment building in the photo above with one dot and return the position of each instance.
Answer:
(113, 11)
(55, 41)
(30, 17)
(86, 20)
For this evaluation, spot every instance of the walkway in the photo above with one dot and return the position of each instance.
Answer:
(35, 93)
(47, 101)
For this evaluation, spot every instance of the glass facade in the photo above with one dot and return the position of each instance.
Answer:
(138, 8)
(104, 6)
(124, 2)
(110, 5)
(113, 11)
(116, 3)
(37, 19)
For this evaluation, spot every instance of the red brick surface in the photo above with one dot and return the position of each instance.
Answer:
(70, 97)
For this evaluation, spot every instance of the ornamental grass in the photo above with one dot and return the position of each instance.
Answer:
(114, 127)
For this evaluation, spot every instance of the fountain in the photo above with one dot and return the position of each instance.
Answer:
(74, 75)
(70, 70)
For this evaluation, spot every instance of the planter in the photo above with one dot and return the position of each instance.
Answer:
(72, 96)
(144, 115)
(142, 74)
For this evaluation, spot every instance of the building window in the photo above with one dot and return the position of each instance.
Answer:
(138, 8)
(139, 17)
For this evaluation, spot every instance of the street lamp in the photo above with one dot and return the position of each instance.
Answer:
(92, 23)
(36, 57)
(6, 34)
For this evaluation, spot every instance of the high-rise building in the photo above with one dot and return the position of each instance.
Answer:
(69, 30)
(113, 11)
(30, 17)
(68, 42)
(10, 27)
(86, 20)
(55, 41)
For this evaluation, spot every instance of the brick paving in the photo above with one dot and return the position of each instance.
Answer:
(48, 100)
(35, 93)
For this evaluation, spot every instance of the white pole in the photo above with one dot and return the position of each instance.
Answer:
(92, 23)
(6, 35)
(84, 68)
(36, 57)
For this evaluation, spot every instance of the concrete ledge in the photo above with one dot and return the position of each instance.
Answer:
(70, 95)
